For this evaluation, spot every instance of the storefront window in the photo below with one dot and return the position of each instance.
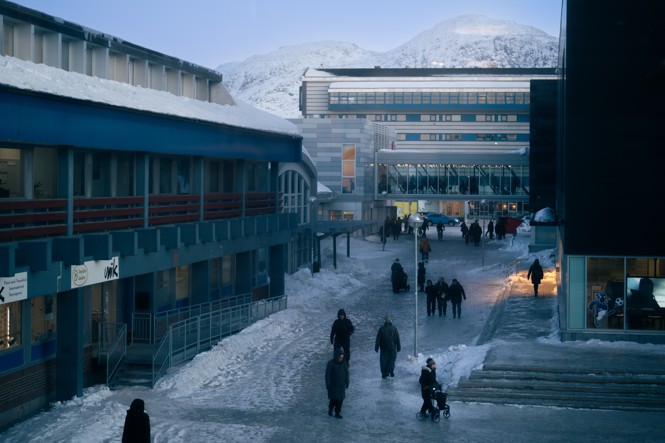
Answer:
(10, 325)
(43, 318)
(182, 285)
(645, 294)
(605, 293)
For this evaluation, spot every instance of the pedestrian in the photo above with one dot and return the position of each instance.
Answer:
(396, 229)
(442, 299)
(490, 229)
(439, 229)
(340, 333)
(422, 273)
(475, 231)
(425, 248)
(500, 230)
(455, 295)
(427, 384)
(535, 274)
(465, 232)
(432, 292)
(337, 381)
(137, 423)
(387, 340)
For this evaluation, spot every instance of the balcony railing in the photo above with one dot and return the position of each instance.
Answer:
(25, 219)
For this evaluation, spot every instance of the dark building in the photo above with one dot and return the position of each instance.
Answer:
(609, 183)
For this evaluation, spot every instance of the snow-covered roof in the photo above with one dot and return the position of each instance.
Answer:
(46, 79)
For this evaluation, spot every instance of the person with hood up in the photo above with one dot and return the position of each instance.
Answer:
(137, 424)
(340, 334)
(535, 274)
(427, 384)
(337, 382)
(387, 340)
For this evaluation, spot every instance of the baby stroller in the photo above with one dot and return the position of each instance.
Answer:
(440, 407)
(400, 281)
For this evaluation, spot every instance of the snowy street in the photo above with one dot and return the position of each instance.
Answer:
(266, 384)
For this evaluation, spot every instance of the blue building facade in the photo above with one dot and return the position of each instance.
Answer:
(131, 185)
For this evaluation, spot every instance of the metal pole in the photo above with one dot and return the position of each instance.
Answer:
(415, 292)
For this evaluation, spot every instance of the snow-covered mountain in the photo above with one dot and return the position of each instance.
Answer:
(271, 81)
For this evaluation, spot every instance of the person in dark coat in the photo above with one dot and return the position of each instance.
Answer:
(465, 232)
(427, 384)
(475, 232)
(387, 340)
(337, 382)
(398, 277)
(535, 274)
(500, 229)
(455, 295)
(137, 423)
(442, 298)
(422, 273)
(490, 229)
(340, 333)
(432, 292)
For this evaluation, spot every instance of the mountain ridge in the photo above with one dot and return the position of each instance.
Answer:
(271, 81)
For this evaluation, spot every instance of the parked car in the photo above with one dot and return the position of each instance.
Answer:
(433, 219)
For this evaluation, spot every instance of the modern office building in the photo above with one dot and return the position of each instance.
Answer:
(461, 136)
(134, 194)
(609, 188)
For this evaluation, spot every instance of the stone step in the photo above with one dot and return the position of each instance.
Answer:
(572, 388)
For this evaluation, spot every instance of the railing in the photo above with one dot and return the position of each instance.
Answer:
(116, 349)
(142, 328)
(21, 219)
(186, 338)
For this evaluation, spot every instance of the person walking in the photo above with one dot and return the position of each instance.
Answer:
(340, 333)
(442, 297)
(490, 229)
(475, 231)
(432, 292)
(439, 230)
(425, 248)
(422, 273)
(387, 341)
(465, 232)
(428, 382)
(455, 294)
(137, 423)
(535, 274)
(337, 382)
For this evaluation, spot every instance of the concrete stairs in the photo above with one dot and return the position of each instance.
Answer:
(565, 388)
(135, 369)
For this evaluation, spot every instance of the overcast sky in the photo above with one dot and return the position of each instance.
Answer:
(213, 32)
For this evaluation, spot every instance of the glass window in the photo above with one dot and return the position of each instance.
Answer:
(348, 168)
(43, 318)
(10, 325)
(45, 171)
(10, 173)
(125, 174)
(101, 174)
(605, 293)
(183, 177)
(181, 283)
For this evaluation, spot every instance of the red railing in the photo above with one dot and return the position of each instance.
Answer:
(23, 219)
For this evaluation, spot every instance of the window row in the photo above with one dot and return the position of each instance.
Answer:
(459, 137)
(33, 173)
(428, 98)
(502, 118)
(453, 179)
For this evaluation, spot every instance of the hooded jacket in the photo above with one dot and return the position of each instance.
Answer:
(342, 328)
(337, 376)
(137, 424)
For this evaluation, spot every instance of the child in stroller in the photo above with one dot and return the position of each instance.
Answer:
(439, 404)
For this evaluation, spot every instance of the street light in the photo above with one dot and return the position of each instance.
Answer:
(313, 215)
(415, 220)
(482, 207)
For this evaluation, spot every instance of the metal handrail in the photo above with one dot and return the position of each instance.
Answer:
(186, 338)
(116, 352)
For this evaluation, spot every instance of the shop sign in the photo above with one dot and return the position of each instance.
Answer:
(95, 271)
(14, 288)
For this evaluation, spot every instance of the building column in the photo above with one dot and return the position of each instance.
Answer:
(69, 368)
(277, 268)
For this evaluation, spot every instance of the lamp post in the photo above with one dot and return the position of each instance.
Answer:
(415, 221)
(482, 207)
(312, 202)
